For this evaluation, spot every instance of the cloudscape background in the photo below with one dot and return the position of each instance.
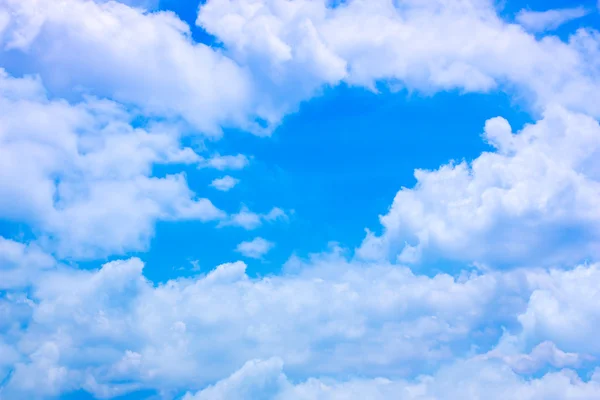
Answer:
(299, 199)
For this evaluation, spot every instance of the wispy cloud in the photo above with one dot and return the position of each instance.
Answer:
(539, 21)
(250, 220)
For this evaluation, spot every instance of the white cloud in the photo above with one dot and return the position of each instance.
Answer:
(144, 59)
(463, 380)
(112, 325)
(250, 220)
(222, 163)
(81, 173)
(427, 46)
(532, 200)
(276, 214)
(543, 355)
(225, 183)
(256, 248)
(330, 318)
(539, 21)
(245, 218)
(256, 379)
(19, 263)
(277, 54)
(144, 4)
(563, 309)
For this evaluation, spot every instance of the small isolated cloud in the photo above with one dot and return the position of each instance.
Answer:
(276, 214)
(225, 183)
(540, 21)
(245, 218)
(255, 248)
(250, 220)
(222, 163)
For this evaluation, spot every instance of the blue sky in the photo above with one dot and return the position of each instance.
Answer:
(337, 162)
(299, 199)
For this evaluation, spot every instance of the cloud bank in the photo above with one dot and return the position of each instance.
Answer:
(95, 96)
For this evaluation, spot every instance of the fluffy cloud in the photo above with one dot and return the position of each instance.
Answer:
(20, 263)
(278, 53)
(543, 355)
(225, 183)
(538, 21)
(418, 45)
(81, 174)
(532, 200)
(463, 380)
(562, 301)
(97, 329)
(145, 59)
(256, 248)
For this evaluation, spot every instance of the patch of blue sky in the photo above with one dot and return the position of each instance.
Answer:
(337, 162)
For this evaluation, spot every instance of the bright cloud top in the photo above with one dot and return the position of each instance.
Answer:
(106, 107)
(532, 201)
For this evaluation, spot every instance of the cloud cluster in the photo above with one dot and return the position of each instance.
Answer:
(464, 380)
(332, 318)
(427, 46)
(147, 60)
(95, 95)
(81, 173)
(533, 200)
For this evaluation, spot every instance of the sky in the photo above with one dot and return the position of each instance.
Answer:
(299, 199)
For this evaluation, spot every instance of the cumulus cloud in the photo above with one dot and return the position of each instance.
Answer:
(19, 263)
(145, 59)
(225, 183)
(543, 355)
(256, 248)
(532, 200)
(122, 88)
(463, 380)
(97, 329)
(560, 302)
(428, 46)
(145, 4)
(277, 54)
(539, 21)
(82, 173)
